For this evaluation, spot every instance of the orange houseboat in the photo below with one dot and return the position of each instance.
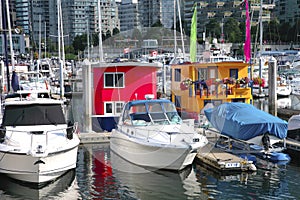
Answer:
(196, 84)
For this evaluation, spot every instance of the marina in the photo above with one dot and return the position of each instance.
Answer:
(148, 113)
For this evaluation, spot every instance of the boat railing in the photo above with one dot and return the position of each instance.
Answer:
(147, 134)
(66, 132)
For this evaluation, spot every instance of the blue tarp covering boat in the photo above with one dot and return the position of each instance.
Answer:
(244, 121)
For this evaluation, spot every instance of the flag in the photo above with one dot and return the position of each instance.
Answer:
(247, 46)
(126, 50)
(193, 37)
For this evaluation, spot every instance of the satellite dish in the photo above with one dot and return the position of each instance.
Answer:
(17, 30)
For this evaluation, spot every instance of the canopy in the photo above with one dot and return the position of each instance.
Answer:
(294, 122)
(244, 121)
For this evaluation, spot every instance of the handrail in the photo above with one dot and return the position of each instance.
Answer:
(148, 132)
(44, 133)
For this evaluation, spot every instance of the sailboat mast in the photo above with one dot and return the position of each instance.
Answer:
(5, 43)
(10, 37)
(180, 26)
(175, 39)
(100, 32)
(60, 40)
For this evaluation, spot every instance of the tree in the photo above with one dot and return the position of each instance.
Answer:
(213, 28)
(232, 31)
(157, 24)
(79, 43)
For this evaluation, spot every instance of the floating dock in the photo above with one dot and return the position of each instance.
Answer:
(221, 160)
(86, 138)
(224, 161)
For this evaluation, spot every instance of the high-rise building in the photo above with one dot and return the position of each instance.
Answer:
(128, 15)
(40, 17)
(287, 11)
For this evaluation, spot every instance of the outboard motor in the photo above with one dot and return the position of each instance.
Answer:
(70, 130)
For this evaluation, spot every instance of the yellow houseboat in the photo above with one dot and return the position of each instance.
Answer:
(196, 84)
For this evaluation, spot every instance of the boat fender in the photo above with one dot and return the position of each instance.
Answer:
(252, 167)
(2, 134)
(70, 130)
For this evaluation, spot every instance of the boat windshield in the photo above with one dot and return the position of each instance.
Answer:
(152, 113)
(34, 114)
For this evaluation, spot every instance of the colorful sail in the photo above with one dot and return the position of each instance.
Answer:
(193, 37)
(247, 46)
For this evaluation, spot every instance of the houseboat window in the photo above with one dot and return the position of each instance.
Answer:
(113, 108)
(202, 74)
(113, 80)
(177, 101)
(108, 108)
(119, 106)
(234, 73)
(177, 75)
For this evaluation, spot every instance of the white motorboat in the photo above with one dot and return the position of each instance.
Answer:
(151, 134)
(37, 145)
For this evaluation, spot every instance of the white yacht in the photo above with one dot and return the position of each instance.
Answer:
(37, 145)
(151, 134)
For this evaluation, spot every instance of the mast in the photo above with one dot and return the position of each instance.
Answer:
(10, 36)
(100, 32)
(180, 25)
(5, 43)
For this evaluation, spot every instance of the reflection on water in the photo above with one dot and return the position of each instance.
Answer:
(13, 189)
(101, 174)
(291, 102)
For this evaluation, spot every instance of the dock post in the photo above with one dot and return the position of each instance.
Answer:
(86, 77)
(272, 82)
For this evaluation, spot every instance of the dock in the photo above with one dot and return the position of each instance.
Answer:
(219, 159)
(94, 137)
(292, 145)
(223, 161)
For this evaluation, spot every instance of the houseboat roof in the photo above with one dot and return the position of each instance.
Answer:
(124, 64)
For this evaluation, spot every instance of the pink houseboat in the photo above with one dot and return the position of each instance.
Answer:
(117, 83)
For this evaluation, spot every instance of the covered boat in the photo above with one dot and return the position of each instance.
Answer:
(250, 130)
(244, 121)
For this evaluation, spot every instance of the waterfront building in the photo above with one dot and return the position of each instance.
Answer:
(194, 85)
(117, 83)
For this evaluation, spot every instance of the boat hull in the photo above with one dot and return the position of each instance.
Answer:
(150, 155)
(28, 168)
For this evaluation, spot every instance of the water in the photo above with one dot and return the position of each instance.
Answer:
(100, 174)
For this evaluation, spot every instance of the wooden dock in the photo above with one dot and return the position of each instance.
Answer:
(224, 161)
(86, 138)
(219, 159)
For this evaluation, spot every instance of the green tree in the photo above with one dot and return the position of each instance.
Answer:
(213, 28)
(79, 43)
(157, 24)
(232, 31)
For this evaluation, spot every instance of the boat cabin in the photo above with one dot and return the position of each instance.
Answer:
(196, 84)
(150, 112)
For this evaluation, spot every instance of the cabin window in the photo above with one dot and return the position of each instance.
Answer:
(234, 73)
(177, 75)
(202, 74)
(113, 108)
(178, 101)
(113, 80)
